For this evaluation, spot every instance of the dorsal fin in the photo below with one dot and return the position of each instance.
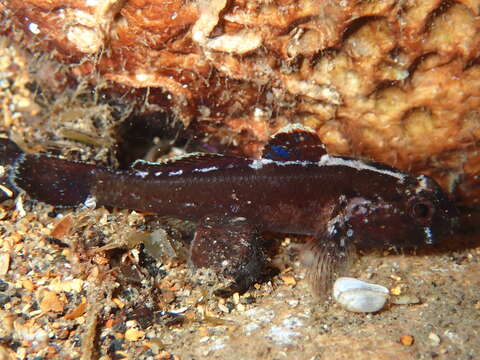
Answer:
(294, 142)
(185, 164)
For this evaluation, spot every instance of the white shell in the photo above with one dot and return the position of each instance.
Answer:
(359, 296)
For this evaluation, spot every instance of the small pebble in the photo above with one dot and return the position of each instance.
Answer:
(3, 285)
(407, 340)
(397, 290)
(134, 335)
(4, 263)
(236, 298)
(288, 280)
(434, 339)
(406, 300)
(4, 299)
(51, 302)
(359, 296)
(3, 212)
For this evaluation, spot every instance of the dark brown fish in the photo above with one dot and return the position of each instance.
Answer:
(296, 187)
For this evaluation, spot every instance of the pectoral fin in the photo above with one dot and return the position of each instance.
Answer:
(324, 262)
(231, 247)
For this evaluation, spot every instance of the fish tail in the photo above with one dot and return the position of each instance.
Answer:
(9, 152)
(44, 178)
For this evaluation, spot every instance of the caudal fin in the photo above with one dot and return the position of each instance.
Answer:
(44, 178)
(9, 153)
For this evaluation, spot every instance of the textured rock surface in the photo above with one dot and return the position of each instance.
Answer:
(397, 81)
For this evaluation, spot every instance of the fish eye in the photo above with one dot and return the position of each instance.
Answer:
(422, 210)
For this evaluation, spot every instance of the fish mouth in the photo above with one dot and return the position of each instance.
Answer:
(429, 238)
(438, 231)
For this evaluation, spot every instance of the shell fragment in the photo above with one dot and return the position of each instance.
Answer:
(359, 296)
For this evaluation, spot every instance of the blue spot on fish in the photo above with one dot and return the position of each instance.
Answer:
(281, 151)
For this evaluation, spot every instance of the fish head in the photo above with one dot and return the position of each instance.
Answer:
(434, 215)
(414, 213)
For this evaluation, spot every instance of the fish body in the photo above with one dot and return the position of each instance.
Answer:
(296, 187)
